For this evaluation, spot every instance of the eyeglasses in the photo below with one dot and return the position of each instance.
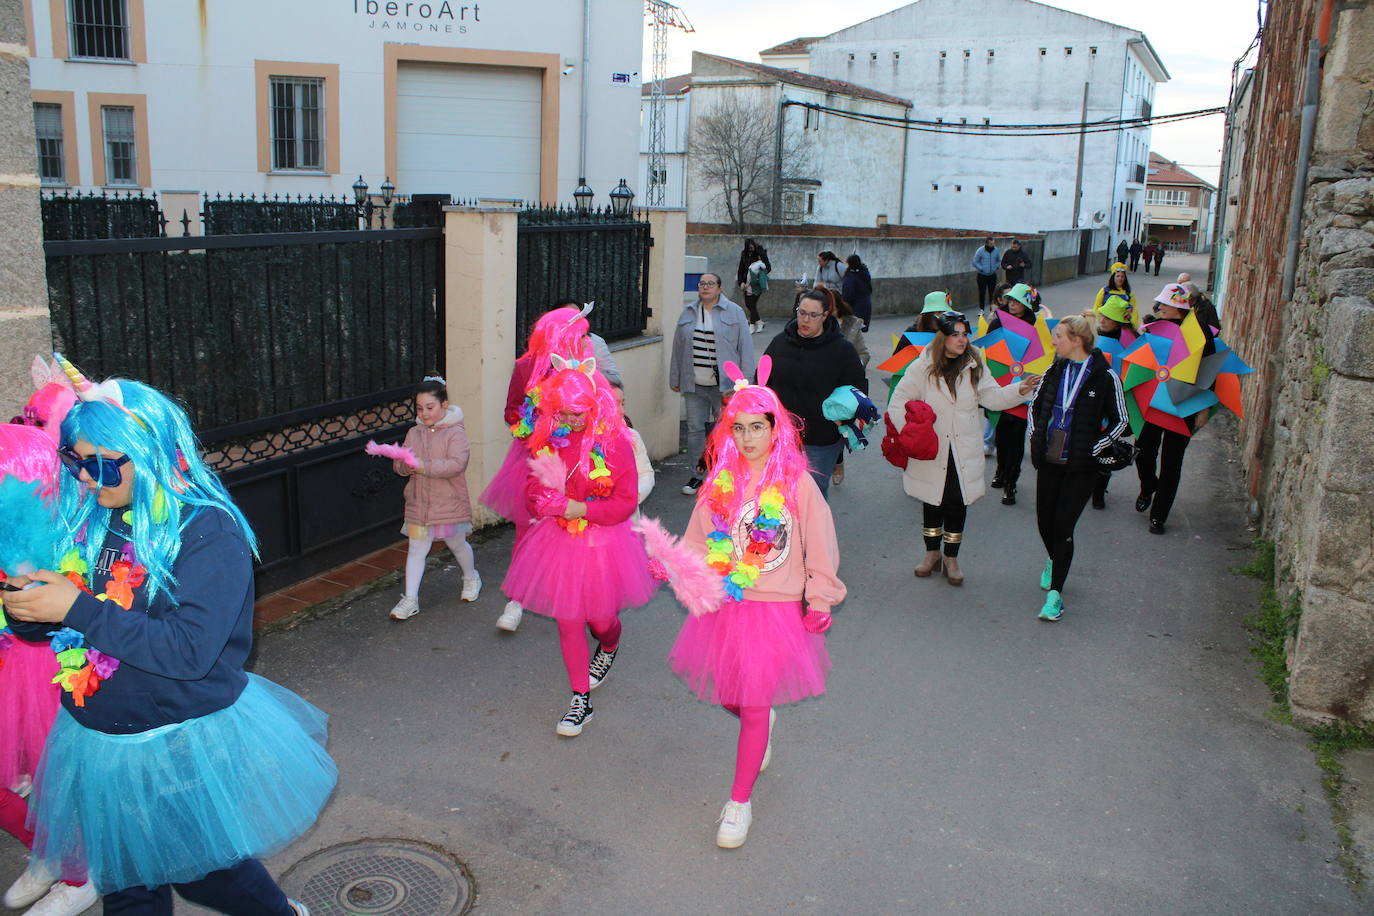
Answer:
(104, 471)
(702, 283)
(810, 315)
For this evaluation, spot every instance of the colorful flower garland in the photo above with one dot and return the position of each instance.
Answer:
(83, 667)
(764, 531)
(601, 487)
(524, 427)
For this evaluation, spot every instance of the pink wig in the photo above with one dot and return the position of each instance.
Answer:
(577, 391)
(786, 462)
(28, 454)
(562, 331)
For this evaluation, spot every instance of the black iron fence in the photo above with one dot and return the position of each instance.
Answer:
(71, 216)
(247, 214)
(565, 253)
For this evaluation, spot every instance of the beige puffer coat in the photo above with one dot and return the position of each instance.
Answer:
(958, 424)
(438, 495)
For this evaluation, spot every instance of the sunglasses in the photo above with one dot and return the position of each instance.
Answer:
(949, 321)
(104, 471)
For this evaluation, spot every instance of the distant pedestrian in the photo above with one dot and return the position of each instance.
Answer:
(857, 289)
(752, 279)
(1123, 250)
(950, 376)
(829, 271)
(1136, 249)
(811, 358)
(1078, 411)
(986, 262)
(1159, 257)
(1016, 262)
(711, 332)
(1009, 436)
(1149, 254)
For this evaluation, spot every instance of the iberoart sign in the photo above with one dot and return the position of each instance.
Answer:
(439, 16)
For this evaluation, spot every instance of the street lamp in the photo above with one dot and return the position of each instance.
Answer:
(621, 198)
(388, 191)
(360, 191)
(582, 196)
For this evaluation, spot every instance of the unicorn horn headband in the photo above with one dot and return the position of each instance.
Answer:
(88, 391)
(584, 311)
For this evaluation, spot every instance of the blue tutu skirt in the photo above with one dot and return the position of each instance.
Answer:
(173, 804)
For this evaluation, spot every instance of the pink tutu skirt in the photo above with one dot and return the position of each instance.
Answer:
(28, 705)
(505, 495)
(751, 653)
(588, 576)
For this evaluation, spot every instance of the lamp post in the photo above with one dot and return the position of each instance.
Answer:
(582, 196)
(388, 192)
(361, 204)
(621, 198)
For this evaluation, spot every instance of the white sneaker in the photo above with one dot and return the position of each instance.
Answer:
(735, 818)
(768, 751)
(472, 588)
(65, 900)
(406, 608)
(510, 617)
(28, 887)
(762, 325)
(23, 787)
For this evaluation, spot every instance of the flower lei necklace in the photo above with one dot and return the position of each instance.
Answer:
(600, 477)
(764, 531)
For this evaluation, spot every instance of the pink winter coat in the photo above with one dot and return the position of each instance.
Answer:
(438, 494)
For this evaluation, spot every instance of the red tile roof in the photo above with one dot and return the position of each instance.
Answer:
(671, 86)
(794, 46)
(811, 81)
(1166, 171)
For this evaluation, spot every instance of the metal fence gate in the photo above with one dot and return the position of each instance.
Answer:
(290, 351)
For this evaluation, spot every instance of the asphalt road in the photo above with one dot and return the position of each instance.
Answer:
(967, 758)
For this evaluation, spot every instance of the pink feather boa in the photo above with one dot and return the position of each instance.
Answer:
(394, 452)
(548, 469)
(697, 586)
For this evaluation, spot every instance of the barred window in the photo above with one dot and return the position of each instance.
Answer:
(1168, 197)
(121, 148)
(99, 28)
(297, 123)
(47, 125)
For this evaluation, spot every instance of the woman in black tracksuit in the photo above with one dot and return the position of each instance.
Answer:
(1077, 412)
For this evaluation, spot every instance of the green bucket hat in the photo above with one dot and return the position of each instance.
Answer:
(1116, 308)
(1021, 292)
(937, 302)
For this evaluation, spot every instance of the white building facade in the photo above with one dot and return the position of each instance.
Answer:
(485, 101)
(676, 117)
(970, 63)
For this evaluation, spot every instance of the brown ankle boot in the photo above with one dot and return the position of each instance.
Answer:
(928, 565)
(953, 573)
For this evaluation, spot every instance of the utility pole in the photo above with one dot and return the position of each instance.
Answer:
(1078, 179)
(777, 164)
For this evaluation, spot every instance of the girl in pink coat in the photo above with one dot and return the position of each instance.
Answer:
(437, 505)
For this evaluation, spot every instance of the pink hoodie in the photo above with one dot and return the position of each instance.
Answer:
(438, 495)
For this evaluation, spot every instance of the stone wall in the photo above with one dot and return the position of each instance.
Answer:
(24, 329)
(1309, 430)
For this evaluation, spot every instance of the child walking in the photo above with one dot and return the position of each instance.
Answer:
(580, 563)
(437, 505)
(762, 524)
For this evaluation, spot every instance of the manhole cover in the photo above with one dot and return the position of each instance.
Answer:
(375, 877)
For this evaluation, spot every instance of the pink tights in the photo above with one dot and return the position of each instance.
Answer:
(572, 639)
(14, 812)
(753, 742)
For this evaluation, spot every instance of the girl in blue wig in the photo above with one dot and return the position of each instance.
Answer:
(167, 766)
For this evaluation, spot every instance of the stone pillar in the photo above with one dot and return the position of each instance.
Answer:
(24, 328)
(653, 407)
(479, 333)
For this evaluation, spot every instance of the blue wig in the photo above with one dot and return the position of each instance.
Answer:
(171, 482)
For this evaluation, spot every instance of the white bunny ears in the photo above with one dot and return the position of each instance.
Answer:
(587, 365)
(736, 375)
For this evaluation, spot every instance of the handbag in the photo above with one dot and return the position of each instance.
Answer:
(1118, 456)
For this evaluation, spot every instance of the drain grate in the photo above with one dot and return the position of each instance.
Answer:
(380, 877)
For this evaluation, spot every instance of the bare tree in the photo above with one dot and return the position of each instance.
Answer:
(733, 149)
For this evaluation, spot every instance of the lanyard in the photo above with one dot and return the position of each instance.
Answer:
(1068, 391)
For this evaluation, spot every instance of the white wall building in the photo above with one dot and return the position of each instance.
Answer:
(676, 115)
(446, 96)
(976, 62)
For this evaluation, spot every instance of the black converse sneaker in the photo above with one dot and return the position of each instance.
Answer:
(579, 713)
(601, 665)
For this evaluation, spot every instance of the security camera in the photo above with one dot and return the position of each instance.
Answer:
(568, 70)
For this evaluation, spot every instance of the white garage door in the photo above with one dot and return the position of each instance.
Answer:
(469, 131)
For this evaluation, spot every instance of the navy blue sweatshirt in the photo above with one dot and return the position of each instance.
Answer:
(176, 662)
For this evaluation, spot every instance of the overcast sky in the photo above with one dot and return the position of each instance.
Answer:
(1197, 39)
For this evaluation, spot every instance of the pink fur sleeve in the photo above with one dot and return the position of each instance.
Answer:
(696, 585)
(395, 452)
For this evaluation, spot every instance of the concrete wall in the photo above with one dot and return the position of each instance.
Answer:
(1060, 256)
(1309, 425)
(24, 329)
(900, 53)
(903, 270)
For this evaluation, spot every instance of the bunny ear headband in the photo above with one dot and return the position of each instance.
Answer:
(587, 365)
(735, 374)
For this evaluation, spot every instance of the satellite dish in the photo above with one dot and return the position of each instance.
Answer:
(1099, 216)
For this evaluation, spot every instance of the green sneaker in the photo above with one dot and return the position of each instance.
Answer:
(1054, 607)
(1047, 576)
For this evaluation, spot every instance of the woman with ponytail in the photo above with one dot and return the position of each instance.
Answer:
(169, 766)
(762, 524)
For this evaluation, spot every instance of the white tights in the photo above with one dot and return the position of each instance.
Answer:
(419, 551)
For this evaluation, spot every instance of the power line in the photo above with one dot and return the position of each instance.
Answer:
(1106, 125)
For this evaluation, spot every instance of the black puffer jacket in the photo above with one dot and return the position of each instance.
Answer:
(1099, 414)
(807, 369)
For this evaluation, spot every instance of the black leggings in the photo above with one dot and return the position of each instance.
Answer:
(752, 304)
(950, 515)
(1010, 436)
(1168, 447)
(1060, 497)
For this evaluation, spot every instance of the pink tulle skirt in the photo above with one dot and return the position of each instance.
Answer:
(588, 576)
(751, 653)
(28, 705)
(505, 495)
